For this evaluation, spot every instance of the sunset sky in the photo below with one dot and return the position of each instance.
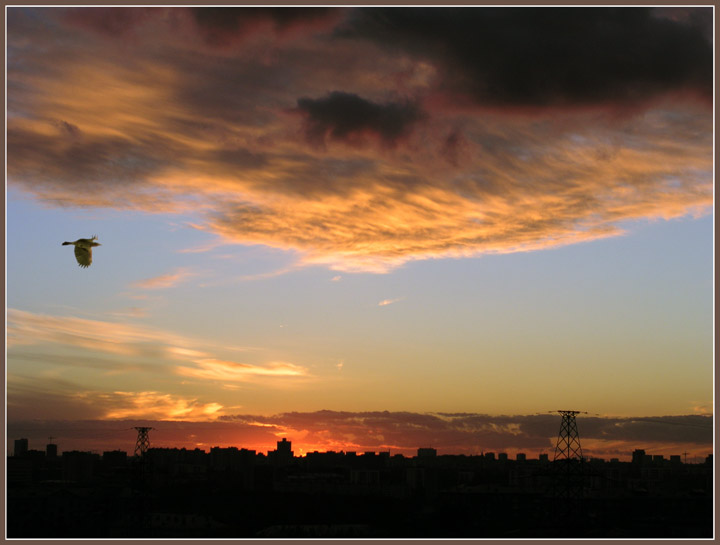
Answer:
(361, 228)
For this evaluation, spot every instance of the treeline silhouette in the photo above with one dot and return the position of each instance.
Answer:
(233, 493)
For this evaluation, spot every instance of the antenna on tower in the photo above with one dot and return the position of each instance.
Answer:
(143, 440)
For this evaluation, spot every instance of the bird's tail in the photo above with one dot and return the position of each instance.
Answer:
(66, 243)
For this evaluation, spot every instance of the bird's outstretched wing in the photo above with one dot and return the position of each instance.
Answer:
(83, 256)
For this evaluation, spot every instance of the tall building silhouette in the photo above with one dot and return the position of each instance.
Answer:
(284, 451)
(51, 450)
(21, 447)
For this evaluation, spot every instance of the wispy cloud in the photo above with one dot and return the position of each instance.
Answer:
(270, 274)
(122, 338)
(212, 369)
(702, 409)
(58, 396)
(386, 302)
(131, 312)
(155, 405)
(164, 281)
(27, 328)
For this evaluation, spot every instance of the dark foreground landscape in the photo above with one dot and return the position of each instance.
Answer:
(231, 492)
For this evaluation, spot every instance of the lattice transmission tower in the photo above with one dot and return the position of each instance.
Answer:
(143, 441)
(568, 461)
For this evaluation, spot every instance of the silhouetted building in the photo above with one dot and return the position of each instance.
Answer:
(232, 460)
(21, 447)
(78, 466)
(227, 491)
(544, 458)
(178, 464)
(638, 456)
(284, 448)
(520, 457)
(51, 450)
(38, 456)
(223, 459)
(284, 454)
(489, 455)
(114, 458)
(19, 470)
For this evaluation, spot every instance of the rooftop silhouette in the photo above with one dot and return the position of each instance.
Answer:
(238, 492)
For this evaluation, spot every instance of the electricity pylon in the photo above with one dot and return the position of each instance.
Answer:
(141, 480)
(568, 443)
(568, 473)
(143, 441)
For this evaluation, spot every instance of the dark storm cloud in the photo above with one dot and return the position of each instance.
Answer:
(134, 109)
(685, 428)
(342, 116)
(305, 176)
(464, 431)
(222, 25)
(454, 147)
(111, 21)
(231, 18)
(221, 90)
(87, 164)
(542, 57)
(239, 158)
(69, 129)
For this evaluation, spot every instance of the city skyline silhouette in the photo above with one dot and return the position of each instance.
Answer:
(414, 231)
(689, 434)
(171, 492)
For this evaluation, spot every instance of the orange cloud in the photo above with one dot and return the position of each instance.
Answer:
(42, 396)
(216, 138)
(213, 369)
(163, 281)
(155, 405)
(27, 328)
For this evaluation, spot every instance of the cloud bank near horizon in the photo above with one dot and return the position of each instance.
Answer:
(364, 138)
(399, 432)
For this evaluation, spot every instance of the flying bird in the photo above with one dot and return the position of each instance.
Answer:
(83, 250)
